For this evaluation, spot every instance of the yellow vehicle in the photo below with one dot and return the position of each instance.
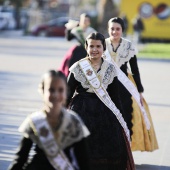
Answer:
(155, 16)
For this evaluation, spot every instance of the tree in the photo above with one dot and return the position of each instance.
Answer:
(106, 9)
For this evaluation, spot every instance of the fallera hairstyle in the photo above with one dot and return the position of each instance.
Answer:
(96, 36)
(117, 20)
(53, 74)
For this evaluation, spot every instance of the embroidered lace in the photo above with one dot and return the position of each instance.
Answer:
(106, 74)
(125, 51)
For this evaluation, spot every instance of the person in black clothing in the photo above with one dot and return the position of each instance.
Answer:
(79, 31)
(76, 52)
(138, 27)
(108, 144)
(68, 131)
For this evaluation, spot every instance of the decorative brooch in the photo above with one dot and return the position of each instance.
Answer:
(44, 131)
(89, 72)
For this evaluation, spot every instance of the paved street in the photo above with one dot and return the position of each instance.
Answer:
(24, 59)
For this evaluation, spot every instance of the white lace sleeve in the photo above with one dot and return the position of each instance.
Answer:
(79, 75)
(109, 73)
(134, 50)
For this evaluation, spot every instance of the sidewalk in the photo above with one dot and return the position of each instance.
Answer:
(11, 33)
(156, 80)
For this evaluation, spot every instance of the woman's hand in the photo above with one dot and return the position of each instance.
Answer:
(141, 98)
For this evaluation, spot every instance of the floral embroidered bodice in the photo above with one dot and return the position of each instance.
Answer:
(123, 54)
(106, 75)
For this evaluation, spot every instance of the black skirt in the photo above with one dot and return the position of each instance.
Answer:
(39, 161)
(107, 149)
(126, 101)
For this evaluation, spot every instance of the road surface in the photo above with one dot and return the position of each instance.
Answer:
(22, 62)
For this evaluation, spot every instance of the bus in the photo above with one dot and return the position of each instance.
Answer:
(155, 15)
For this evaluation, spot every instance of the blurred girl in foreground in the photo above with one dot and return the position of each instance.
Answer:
(54, 131)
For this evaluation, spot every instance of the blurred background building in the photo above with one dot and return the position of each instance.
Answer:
(30, 14)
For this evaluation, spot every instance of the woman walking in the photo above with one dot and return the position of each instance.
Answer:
(121, 51)
(93, 84)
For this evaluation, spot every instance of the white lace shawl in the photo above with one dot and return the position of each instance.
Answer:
(106, 75)
(71, 130)
(124, 53)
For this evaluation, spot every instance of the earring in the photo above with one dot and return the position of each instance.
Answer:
(103, 56)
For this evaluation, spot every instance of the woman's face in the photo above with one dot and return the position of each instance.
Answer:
(84, 22)
(115, 31)
(54, 92)
(94, 48)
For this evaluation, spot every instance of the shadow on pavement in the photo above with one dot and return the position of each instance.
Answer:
(151, 167)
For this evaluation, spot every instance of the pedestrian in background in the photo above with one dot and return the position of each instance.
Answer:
(138, 28)
(79, 31)
(85, 25)
(76, 52)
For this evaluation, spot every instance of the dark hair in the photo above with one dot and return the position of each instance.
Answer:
(69, 36)
(119, 21)
(96, 36)
(54, 74)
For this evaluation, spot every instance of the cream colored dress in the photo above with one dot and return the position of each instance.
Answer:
(142, 139)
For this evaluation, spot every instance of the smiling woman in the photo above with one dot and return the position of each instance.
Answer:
(96, 85)
(122, 52)
(95, 51)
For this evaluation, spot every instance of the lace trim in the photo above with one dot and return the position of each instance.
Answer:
(124, 53)
(106, 74)
(79, 75)
(70, 119)
(110, 74)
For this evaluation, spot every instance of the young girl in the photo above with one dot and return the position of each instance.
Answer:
(121, 51)
(54, 131)
(98, 103)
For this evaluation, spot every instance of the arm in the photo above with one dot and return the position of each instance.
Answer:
(72, 84)
(135, 73)
(21, 155)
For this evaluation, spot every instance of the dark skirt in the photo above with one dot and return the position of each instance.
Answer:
(126, 101)
(107, 148)
(39, 161)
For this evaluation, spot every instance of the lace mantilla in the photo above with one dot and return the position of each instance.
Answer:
(124, 53)
(71, 129)
(105, 75)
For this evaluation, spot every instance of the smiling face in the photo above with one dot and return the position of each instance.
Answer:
(115, 31)
(94, 49)
(54, 94)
